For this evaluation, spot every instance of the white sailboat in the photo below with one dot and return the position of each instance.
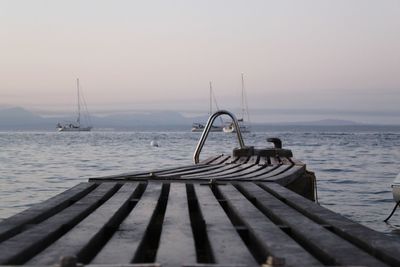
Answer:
(244, 127)
(199, 127)
(77, 126)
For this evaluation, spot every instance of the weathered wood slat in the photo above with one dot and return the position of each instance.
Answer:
(200, 171)
(272, 173)
(382, 246)
(236, 168)
(211, 159)
(220, 160)
(270, 239)
(274, 160)
(185, 169)
(77, 241)
(218, 163)
(264, 161)
(248, 170)
(288, 173)
(285, 161)
(226, 244)
(41, 211)
(22, 247)
(177, 236)
(253, 159)
(328, 247)
(243, 160)
(122, 246)
(222, 168)
(138, 175)
(262, 171)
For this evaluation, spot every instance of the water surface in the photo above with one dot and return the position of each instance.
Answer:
(354, 165)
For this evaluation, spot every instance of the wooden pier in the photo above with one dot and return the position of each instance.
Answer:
(235, 210)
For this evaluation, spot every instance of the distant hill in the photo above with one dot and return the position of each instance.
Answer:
(18, 118)
(326, 122)
(21, 119)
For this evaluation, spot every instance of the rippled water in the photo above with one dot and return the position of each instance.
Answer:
(354, 166)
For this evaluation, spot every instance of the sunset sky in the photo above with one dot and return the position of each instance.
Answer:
(338, 55)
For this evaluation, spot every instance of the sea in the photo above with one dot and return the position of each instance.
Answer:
(354, 165)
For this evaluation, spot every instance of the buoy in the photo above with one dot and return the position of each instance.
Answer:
(396, 195)
(154, 143)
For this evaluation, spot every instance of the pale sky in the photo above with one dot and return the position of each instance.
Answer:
(300, 54)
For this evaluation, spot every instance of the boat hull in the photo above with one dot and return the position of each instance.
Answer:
(213, 129)
(80, 129)
(231, 129)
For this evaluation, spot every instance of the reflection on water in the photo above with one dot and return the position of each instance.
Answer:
(354, 167)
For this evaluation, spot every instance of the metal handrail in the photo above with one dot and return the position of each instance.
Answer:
(206, 131)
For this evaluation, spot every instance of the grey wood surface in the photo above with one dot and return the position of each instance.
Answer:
(89, 230)
(121, 248)
(21, 247)
(269, 238)
(177, 242)
(43, 210)
(378, 244)
(226, 244)
(325, 245)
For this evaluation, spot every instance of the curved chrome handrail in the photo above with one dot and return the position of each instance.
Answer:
(206, 130)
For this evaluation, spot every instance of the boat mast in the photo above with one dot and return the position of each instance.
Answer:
(210, 98)
(243, 105)
(79, 104)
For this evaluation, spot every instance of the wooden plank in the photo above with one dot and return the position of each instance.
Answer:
(22, 247)
(263, 170)
(247, 171)
(122, 246)
(177, 242)
(211, 159)
(221, 160)
(200, 171)
(254, 159)
(89, 230)
(185, 169)
(269, 238)
(383, 247)
(328, 247)
(144, 173)
(41, 211)
(279, 169)
(236, 169)
(285, 161)
(226, 244)
(274, 160)
(243, 160)
(288, 173)
(223, 168)
(264, 161)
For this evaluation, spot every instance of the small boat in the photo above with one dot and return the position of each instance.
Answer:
(244, 128)
(396, 189)
(230, 128)
(396, 196)
(199, 127)
(77, 126)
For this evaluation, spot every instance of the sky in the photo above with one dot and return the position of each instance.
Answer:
(341, 56)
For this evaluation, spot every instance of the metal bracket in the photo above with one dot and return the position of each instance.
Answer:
(211, 119)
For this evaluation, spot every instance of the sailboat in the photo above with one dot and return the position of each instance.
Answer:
(244, 128)
(76, 126)
(199, 127)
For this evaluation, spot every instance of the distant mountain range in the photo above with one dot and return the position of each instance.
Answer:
(18, 118)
